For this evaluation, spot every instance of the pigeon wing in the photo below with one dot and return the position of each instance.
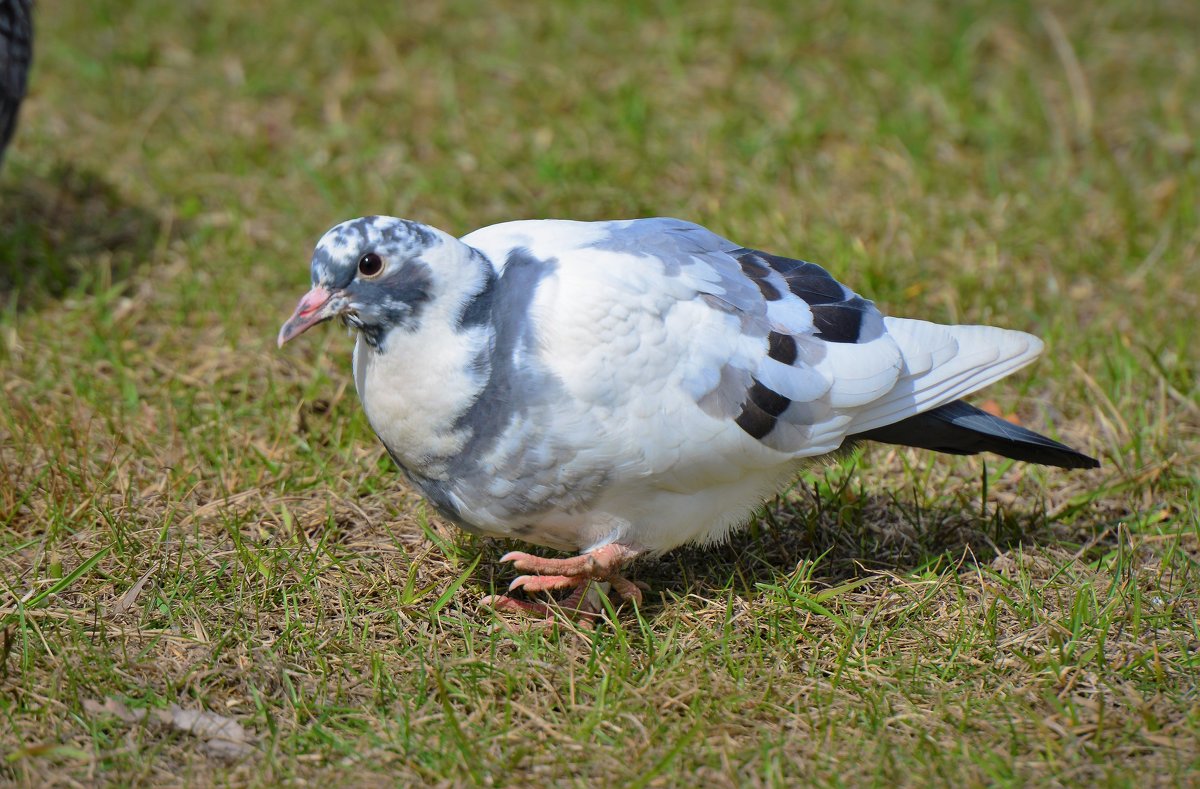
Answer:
(643, 316)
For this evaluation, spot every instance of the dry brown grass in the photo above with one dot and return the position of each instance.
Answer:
(193, 522)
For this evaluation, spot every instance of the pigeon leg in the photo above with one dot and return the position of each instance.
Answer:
(578, 573)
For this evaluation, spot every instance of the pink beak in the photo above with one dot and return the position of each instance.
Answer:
(317, 305)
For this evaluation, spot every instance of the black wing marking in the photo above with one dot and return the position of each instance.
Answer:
(839, 315)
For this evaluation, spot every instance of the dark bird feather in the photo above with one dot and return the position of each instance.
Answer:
(958, 428)
(16, 53)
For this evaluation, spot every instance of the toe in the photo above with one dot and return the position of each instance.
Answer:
(540, 565)
(543, 583)
(500, 602)
(627, 589)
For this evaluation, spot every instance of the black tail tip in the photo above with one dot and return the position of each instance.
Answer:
(1085, 461)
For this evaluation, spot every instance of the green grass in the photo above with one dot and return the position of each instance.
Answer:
(190, 517)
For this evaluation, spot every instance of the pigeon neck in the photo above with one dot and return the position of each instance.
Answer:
(416, 385)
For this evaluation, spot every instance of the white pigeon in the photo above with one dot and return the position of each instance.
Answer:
(621, 388)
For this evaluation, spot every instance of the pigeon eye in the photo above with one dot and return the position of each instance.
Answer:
(370, 264)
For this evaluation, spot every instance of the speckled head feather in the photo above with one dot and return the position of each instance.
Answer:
(335, 260)
(381, 275)
(375, 302)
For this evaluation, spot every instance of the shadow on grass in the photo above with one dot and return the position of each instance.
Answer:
(67, 229)
(850, 536)
(856, 538)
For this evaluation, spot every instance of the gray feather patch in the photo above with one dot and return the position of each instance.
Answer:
(530, 474)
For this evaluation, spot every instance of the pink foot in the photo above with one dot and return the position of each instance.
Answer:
(576, 573)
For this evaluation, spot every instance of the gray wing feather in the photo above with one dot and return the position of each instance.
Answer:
(792, 307)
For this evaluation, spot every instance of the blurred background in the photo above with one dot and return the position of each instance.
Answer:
(1026, 164)
(951, 147)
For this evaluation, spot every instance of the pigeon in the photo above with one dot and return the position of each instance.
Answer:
(16, 52)
(617, 389)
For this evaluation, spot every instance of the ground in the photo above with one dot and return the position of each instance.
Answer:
(210, 573)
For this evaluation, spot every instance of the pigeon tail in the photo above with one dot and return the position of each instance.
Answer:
(958, 428)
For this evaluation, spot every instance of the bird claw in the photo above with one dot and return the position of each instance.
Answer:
(577, 607)
(540, 565)
(543, 583)
(627, 589)
(589, 575)
(500, 602)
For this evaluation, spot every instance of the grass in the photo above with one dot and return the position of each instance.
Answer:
(189, 517)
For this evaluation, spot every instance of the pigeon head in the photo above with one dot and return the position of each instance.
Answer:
(377, 274)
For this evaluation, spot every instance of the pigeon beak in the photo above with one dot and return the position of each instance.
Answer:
(317, 306)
